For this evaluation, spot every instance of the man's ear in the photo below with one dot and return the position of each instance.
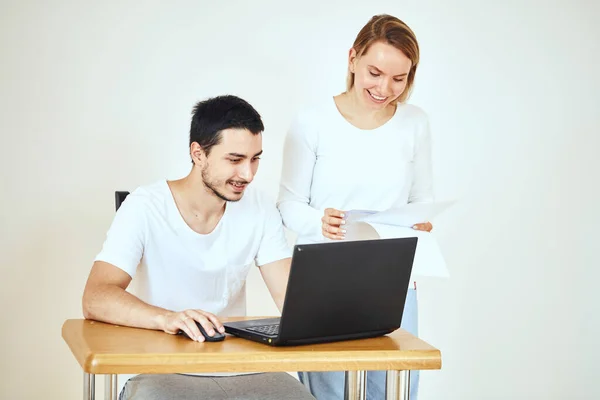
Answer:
(197, 153)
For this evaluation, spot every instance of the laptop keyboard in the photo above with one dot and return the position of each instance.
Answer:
(268, 330)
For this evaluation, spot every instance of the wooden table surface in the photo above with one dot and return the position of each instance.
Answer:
(109, 349)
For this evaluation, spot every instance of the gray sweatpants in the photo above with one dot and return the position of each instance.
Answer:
(264, 386)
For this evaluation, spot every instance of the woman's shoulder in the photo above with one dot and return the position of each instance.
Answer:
(408, 110)
(410, 116)
(311, 118)
(317, 110)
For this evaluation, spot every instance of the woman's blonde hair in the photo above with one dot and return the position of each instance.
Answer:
(388, 29)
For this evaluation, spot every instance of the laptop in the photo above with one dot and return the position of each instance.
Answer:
(338, 291)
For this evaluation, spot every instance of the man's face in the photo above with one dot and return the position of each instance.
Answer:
(232, 164)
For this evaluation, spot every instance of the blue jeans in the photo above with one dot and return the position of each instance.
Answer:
(330, 385)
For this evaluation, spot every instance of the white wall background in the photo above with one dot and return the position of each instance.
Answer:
(96, 97)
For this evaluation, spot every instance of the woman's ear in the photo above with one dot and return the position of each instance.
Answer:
(352, 60)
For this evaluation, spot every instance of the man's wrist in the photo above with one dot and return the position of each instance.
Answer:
(160, 319)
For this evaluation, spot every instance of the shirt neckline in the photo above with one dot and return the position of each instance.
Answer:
(350, 124)
(181, 225)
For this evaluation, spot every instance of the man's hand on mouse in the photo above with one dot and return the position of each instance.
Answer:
(172, 322)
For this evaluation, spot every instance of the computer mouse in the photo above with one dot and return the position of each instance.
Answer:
(217, 337)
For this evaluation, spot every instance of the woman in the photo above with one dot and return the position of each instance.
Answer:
(362, 149)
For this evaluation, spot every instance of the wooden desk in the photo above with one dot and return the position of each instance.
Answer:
(109, 349)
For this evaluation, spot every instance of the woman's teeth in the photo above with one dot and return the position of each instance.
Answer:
(378, 98)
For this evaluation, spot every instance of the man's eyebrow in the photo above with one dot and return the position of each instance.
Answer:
(243, 155)
(380, 71)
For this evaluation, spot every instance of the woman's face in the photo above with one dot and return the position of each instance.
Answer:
(379, 75)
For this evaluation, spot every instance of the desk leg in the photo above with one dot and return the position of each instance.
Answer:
(356, 385)
(110, 387)
(397, 385)
(89, 386)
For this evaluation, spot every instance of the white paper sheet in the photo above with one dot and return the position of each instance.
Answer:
(397, 223)
(406, 216)
(429, 260)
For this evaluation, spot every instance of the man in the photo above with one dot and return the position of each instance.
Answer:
(186, 247)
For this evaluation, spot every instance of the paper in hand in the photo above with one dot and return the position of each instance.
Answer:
(407, 215)
(429, 260)
(398, 222)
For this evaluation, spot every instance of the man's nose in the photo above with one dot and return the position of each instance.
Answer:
(245, 172)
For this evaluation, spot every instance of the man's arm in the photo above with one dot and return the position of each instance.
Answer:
(105, 299)
(276, 276)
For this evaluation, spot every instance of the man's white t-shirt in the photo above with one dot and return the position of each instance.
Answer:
(176, 268)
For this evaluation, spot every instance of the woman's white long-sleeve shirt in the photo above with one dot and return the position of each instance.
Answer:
(328, 162)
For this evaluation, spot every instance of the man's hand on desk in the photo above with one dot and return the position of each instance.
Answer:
(172, 322)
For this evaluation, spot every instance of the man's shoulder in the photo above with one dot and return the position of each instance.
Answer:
(148, 195)
(256, 205)
(251, 212)
(256, 199)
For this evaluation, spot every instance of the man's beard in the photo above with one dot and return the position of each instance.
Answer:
(213, 186)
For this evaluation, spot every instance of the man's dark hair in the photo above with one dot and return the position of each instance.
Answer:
(213, 115)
